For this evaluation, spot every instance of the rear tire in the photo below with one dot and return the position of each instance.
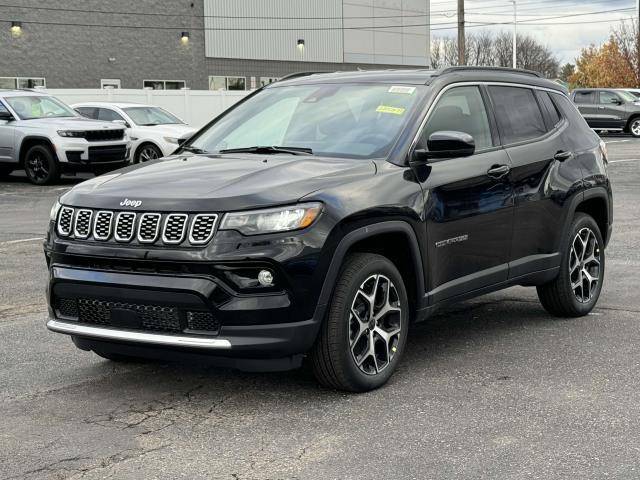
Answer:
(576, 289)
(41, 166)
(364, 334)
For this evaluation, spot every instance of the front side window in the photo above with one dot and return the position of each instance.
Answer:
(32, 107)
(461, 109)
(335, 120)
(518, 114)
(609, 98)
(149, 116)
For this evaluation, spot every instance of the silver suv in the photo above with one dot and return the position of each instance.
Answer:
(45, 137)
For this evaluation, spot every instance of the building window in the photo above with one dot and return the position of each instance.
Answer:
(164, 84)
(22, 82)
(227, 83)
(110, 83)
(267, 80)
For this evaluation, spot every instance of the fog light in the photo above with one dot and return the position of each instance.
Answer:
(265, 278)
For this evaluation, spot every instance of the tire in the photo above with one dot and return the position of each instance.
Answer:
(565, 296)
(41, 166)
(116, 357)
(146, 152)
(634, 127)
(345, 340)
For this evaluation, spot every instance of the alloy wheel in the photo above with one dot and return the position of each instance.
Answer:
(635, 128)
(375, 324)
(38, 166)
(148, 153)
(584, 265)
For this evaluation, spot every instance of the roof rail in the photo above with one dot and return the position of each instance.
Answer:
(463, 68)
(299, 74)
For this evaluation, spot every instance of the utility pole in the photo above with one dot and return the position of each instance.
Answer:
(461, 42)
(515, 34)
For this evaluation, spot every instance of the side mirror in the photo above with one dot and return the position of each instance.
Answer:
(616, 101)
(446, 144)
(6, 116)
(122, 122)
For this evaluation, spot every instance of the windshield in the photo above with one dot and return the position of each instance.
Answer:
(31, 107)
(627, 97)
(149, 116)
(334, 120)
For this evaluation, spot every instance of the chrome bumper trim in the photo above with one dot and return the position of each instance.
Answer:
(130, 336)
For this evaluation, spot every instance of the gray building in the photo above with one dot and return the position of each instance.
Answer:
(203, 44)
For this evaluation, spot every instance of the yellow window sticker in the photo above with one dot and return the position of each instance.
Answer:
(403, 89)
(388, 109)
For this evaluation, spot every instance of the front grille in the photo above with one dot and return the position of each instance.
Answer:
(104, 135)
(174, 227)
(67, 307)
(124, 226)
(157, 318)
(65, 220)
(202, 321)
(102, 225)
(82, 228)
(109, 153)
(202, 228)
(149, 227)
(144, 228)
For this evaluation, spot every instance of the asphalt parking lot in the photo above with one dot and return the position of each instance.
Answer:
(492, 388)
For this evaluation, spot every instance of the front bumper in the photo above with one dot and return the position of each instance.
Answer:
(252, 328)
(81, 153)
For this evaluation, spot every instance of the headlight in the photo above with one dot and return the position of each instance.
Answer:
(71, 133)
(54, 211)
(272, 220)
(171, 140)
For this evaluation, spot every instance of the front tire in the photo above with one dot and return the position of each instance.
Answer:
(634, 127)
(147, 152)
(41, 166)
(576, 289)
(364, 335)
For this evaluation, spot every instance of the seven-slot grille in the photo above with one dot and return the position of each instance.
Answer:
(141, 228)
(82, 228)
(124, 226)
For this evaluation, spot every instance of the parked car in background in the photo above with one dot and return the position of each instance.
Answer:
(609, 109)
(45, 137)
(633, 91)
(154, 132)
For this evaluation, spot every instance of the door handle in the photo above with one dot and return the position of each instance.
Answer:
(498, 171)
(600, 108)
(562, 156)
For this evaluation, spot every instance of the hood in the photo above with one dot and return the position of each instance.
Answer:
(173, 130)
(71, 123)
(218, 184)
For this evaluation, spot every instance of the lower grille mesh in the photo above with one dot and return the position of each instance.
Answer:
(152, 317)
(202, 321)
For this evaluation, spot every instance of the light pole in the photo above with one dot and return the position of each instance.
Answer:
(515, 34)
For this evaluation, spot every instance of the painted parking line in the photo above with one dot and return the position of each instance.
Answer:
(22, 240)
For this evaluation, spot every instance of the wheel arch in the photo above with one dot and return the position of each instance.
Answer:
(595, 203)
(30, 141)
(373, 238)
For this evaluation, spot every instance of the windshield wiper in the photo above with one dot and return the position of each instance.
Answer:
(191, 149)
(270, 150)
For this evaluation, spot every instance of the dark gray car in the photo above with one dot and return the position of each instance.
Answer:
(609, 109)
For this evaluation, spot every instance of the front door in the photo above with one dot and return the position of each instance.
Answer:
(611, 109)
(7, 132)
(469, 201)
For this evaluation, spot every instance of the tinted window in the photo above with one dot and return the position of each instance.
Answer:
(108, 115)
(609, 98)
(518, 114)
(89, 112)
(585, 97)
(550, 107)
(3, 108)
(461, 109)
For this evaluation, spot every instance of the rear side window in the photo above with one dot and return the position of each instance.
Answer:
(552, 111)
(585, 97)
(518, 114)
(461, 109)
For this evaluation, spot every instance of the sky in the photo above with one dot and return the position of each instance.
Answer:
(563, 39)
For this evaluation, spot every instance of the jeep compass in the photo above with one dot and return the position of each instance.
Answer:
(324, 213)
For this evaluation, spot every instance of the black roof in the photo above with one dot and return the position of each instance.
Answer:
(424, 76)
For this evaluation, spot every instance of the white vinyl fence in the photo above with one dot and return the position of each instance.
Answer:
(196, 107)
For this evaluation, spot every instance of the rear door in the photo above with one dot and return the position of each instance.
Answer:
(611, 109)
(586, 100)
(469, 205)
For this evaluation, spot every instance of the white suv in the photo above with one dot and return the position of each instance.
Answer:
(45, 137)
(154, 132)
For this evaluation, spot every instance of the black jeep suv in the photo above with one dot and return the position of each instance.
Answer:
(325, 212)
